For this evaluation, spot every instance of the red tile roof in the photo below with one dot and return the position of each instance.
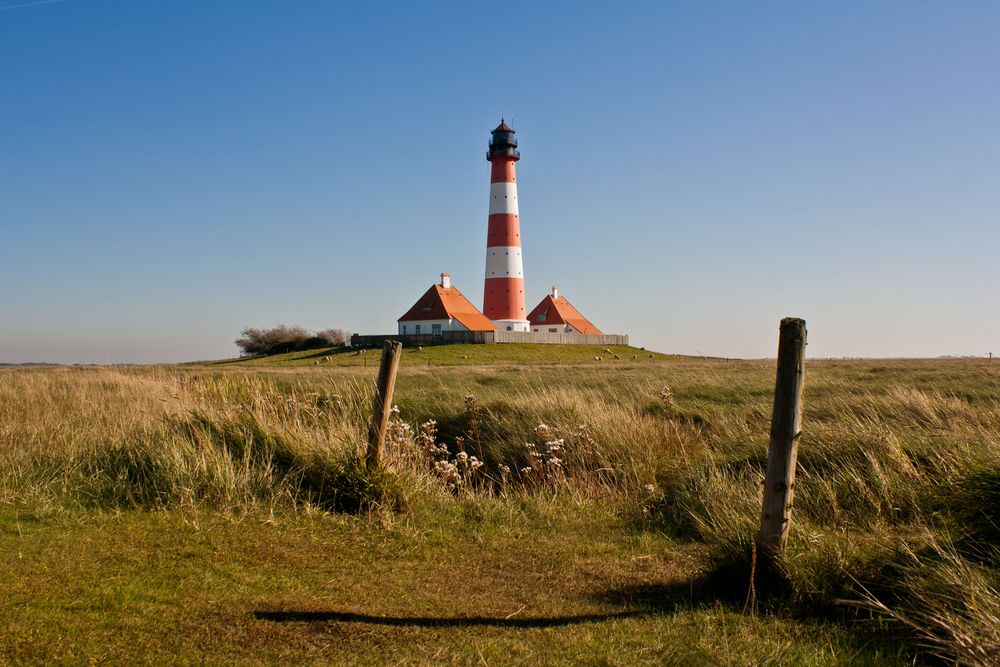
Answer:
(557, 310)
(503, 127)
(447, 303)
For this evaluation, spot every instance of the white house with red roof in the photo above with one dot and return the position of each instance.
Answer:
(443, 308)
(555, 314)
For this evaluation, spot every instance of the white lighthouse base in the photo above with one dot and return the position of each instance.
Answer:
(513, 325)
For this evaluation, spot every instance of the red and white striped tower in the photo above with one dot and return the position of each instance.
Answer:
(503, 300)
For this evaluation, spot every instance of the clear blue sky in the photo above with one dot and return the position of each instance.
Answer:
(173, 171)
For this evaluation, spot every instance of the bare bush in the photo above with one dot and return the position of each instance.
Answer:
(282, 338)
(334, 337)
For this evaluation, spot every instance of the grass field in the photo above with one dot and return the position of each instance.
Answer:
(461, 355)
(217, 513)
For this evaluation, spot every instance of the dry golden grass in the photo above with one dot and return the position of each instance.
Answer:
(895, 502)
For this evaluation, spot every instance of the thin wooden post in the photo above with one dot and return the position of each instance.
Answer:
(786, 427)
(382, 403)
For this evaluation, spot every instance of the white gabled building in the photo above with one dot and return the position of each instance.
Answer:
(443, 308)
(555, 314)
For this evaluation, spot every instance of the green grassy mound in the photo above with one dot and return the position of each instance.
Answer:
(463, 355)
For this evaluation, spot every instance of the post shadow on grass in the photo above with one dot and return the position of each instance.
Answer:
(641, 600)
(726, 584)
(442, 621)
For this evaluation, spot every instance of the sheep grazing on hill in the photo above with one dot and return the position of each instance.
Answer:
(463, 356)
(419, 347)
(635, 357)
(326, 359)
(315, 363)
(651, 356)
(607, 350)
(597, 358)
(618, 358)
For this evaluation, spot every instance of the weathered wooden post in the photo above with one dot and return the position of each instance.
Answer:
(382, 403)
(786, 427)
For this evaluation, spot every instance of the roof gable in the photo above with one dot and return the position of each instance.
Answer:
(447, 303)
(558, 310)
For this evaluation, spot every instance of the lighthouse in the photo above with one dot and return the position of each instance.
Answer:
(503, 299)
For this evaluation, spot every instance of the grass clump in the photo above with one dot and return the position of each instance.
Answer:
(894, 513)
(231, 444)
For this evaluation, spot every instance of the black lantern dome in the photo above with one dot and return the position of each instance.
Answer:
(503, 143)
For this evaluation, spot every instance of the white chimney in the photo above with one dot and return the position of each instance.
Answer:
(555, 292)
(446, 280)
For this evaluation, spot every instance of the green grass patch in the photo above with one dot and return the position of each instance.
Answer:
(494, 583)
(461, 355)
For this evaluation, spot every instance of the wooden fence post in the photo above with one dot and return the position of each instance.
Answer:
(786, 427)
(382, 403)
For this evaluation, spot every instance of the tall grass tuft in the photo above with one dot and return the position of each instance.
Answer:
(229, 442)
(951, 603)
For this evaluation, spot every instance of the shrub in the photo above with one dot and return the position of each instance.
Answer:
(282, 339)
(333, 337)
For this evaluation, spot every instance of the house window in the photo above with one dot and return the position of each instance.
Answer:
(436, 329)
(553, 330)
(541, 317)
(404, 329)
(417, 327)
(510, 328)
